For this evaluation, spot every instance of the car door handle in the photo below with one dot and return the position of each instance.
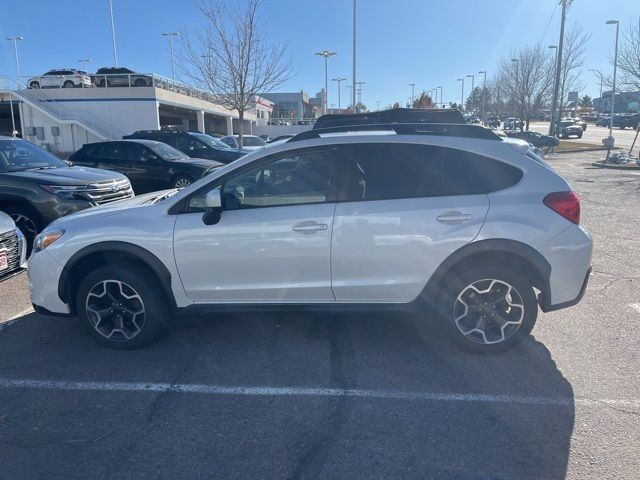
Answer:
(454, 217)
(309, 227)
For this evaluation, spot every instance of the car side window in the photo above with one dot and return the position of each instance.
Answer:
(137, 152)
(496, 175)
(393, 171)
(187, 143)
(112, 151)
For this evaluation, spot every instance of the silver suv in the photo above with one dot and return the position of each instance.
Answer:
(472, 231)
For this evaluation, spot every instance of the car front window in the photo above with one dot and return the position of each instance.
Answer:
(167, 152)
(20, 155)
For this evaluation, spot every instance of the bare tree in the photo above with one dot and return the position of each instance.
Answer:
(629, 58)
(525, 79)
(575, 44)
(230, 58)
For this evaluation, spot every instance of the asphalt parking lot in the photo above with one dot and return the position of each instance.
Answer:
(302, 396)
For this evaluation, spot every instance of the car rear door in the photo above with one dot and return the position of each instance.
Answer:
(272, 243)
(405, 208)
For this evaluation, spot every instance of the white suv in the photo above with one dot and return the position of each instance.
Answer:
(61, 78)
(473, 231)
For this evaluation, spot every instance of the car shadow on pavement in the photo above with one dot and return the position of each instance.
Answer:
(503, 416)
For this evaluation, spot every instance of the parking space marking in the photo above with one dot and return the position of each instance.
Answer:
(635, 306)
(6, 383)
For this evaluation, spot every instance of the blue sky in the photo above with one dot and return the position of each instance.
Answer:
(428, 42)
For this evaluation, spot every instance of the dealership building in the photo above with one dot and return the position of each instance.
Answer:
(61, 120)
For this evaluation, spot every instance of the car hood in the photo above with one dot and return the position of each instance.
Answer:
(6, 223)
(113, 208)
(201, 162)
(67, 175)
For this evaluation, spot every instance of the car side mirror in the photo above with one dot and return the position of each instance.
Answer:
(213, 204)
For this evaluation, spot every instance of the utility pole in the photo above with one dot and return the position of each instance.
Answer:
(556, 87)
(339, 80)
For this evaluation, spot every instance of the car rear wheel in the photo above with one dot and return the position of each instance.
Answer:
(68, 84)
(27, 221)
(182, 181)
(122, 307)
(34, 85)
(140, 82)
(488, 309)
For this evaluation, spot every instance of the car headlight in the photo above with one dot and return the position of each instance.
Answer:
(67, 192)
(44, 239)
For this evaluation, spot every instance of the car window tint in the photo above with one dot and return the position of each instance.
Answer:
(187, 144)
(496, 175)
(136, 152)
(291, 180)
(388, 171)
(111, 151)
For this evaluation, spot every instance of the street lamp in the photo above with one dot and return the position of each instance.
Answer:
(113, 35)
(378, 102)
(171, 35)
(461, 94)
(326, 54)
(484, 86)
(610, 141)
(412, 85)
(15, 49)
(339, 80)
(84, 62)
(472, 80)
(555, 72)
(359, 92)
(440, 93)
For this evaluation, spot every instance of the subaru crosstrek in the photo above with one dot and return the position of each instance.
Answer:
(470, 230)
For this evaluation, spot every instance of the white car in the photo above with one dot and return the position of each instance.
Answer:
(61, 78)
(13, 248)
(471, 231)
(249, 142)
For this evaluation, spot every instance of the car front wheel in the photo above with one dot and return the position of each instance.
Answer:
(182, 181)
(488, 309)
(122, 307)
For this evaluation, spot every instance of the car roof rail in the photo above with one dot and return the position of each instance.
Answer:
(435, 129)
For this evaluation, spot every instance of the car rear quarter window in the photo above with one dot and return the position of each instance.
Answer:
(496, 175)
(392, 171)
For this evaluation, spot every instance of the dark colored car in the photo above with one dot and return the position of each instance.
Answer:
(620, 121)
(534, 138)
(193, 144)
(631, 121)
(120, 77)
(567, 129)
(602, 121)
(36, 187)
(148, 164)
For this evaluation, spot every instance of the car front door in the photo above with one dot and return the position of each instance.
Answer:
(272, 243)
(111, 156)
(145, 168)
(405, 209)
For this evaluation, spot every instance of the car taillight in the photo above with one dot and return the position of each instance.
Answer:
(566, 204)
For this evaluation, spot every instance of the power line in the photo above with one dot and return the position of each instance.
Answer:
(549, 22)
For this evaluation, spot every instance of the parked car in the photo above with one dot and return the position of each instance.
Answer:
(511, 123)
(631, 121)
(36, 187)
(536, 139)
(13, 248)
(492, 121)
(61, 78)
(462, 227)
(148, 164)
(581, 123)
(603, 121)
(249, 142)
(120, 77)
(566, 129)
(193, 144)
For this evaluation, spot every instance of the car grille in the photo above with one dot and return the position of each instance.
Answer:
(9, 242)
(111, 191)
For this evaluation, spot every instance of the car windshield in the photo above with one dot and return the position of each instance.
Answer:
(252, 142)
(167, 152)
(20, 155)
(211, 142)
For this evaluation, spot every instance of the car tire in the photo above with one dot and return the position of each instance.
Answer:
(27, 220)
(487, 309)
(68, 84)
(122, 306)
(181, 181)
(140, 82)
(580, 136)
(34, 85)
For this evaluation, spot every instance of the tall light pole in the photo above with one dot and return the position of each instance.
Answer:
(359, 92)
(15, 50)
(484, 95)
(613, 91)
(473, 77)
(84, 62)
(440, 93)
(325, 54)
(599, 74)
(353, 79)
(556, 87)
(353, 106)
(461, 94)
(378, 102)
(339, 80)
(555, 66)
(517, 63)
(171, 35)
(413, 86)
(113, 35)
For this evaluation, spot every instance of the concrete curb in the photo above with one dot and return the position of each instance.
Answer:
(615, 167)
(579, 150)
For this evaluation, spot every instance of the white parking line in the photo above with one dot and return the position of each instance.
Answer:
(635, 306)
(6, 383)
